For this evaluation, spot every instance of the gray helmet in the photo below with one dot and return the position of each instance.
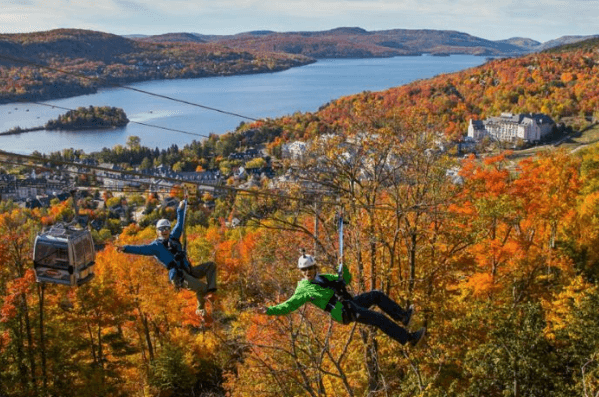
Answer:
(163, 223)
(305, 261)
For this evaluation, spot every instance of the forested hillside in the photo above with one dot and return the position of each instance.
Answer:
(562, 84)
(502, 263)
(33, 65)
(502, 269)
(357, 42)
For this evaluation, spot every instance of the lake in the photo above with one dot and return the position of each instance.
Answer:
(272, 95)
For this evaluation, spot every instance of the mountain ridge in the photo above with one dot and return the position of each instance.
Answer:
(345, 42)
(355, 42)
(94, 59)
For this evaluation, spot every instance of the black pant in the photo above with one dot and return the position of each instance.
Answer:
(363, 302)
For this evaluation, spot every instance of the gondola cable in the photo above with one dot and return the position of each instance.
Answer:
(116, 85)
(20, 60)
(131, 121)
(206, 187)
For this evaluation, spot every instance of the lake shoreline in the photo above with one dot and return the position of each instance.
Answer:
(74, 91)
(22, 131)
(42, 128)
(259, 96)
(70, 91)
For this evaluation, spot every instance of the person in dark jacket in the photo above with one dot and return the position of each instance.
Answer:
(320, 290)
(168, 250)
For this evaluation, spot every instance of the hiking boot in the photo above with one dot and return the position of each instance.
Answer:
(408, 316)
(416, 337)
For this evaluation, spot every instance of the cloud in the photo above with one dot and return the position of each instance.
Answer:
(131, 6)
(22, 2)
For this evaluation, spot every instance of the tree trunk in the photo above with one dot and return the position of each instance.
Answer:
(371, 359)
(148, 337)
(20, 342)
(30, 344)
(412, 264)
(516, 383)
(41, 291)
(372, 262)
(93, 345)
(100, 353)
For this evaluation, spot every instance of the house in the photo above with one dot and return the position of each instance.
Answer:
(295, 150)
(113, 184)
(8, 185)
(235, 222)
(530, 127)
(170, 202)
(30, 187)
(247, 155)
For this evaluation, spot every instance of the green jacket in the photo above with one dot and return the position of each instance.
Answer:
(308, 292)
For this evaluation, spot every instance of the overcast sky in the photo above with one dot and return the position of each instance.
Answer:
(541, 20)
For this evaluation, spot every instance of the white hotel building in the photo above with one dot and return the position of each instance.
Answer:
(510, 127)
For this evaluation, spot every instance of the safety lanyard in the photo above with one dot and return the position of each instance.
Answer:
(340, 227)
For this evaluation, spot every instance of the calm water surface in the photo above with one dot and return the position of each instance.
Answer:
(302, 89)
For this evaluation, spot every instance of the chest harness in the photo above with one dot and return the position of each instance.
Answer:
(340, 294)
(173, 245)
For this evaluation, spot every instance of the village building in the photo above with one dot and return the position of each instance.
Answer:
(295, 150)
(510, 127)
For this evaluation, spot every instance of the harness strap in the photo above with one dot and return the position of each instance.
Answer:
(175, 248)
(348, 314)
(331, 304)
(172, 265)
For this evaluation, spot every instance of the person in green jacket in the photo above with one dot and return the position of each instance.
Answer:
(327, 291)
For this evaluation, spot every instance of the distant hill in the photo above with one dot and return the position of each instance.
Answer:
(175, 38)
(29, 62)
(354, 42)
(528, 44)
(66, 44)
(563, 41)
(591, 44)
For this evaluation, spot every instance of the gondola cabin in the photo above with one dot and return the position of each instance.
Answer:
(64, 255)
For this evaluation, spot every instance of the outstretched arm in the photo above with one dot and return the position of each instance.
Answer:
(290, 305)
(178, 229)
(147, 249)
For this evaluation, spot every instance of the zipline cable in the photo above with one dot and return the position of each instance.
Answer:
(201, 186)
(20, 60)
(208, 187)
(98, 80)
(104, 188)
(134, 122)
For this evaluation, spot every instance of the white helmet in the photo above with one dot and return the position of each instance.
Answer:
(305, 261)
(163, 223)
